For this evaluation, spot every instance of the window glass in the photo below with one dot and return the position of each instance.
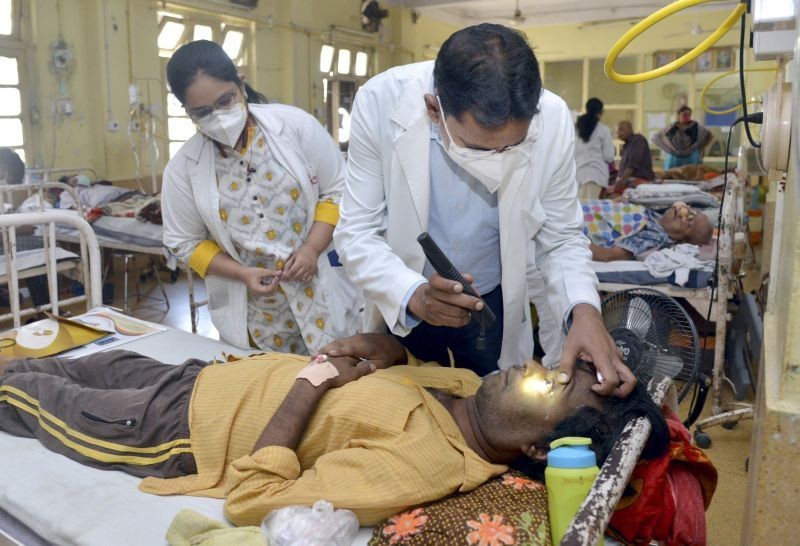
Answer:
(170, 35)
(361, 64)
(233, 43)
(343, 65)
(607, 90)
(565, 79)
(174, 107)
(8, 71)
(173, 148)
(181, 128)
(9, 101)
(10, 132)
(203, 32)
(326, 58)
(6, 17)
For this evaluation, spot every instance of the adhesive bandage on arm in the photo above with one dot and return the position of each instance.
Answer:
(318, 371)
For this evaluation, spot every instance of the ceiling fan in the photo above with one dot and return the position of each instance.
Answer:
(696, 30)
(517, 18)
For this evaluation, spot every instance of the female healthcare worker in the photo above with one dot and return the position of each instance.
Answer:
(250, 203)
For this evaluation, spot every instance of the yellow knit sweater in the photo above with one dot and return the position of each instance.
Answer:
(375, 446)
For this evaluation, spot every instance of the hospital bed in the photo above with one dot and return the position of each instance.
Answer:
(123, 237)
(30, 255)
(46, 498)
(701, 296)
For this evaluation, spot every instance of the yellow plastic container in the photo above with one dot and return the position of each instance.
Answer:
(571, 470)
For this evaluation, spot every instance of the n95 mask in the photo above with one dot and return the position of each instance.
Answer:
(491, 168)
(225, 126)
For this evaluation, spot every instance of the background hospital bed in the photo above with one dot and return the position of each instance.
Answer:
(728, 280)
(46, 498)
(30, 255)
(122, 237)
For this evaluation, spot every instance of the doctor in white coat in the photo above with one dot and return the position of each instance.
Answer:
(472, 150)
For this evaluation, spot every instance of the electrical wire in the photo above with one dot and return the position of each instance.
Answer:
(753, 143)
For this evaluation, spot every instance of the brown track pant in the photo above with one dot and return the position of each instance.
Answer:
(113, 410)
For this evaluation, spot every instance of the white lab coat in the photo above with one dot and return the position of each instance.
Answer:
(190, 209)
(386, 205)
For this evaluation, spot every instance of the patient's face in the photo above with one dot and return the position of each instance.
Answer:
(686, 224)
(523, 404)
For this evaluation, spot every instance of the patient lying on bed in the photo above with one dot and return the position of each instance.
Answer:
(621, 231)
(376, 437)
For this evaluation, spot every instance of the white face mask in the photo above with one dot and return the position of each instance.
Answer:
(225, 126)
(490, 167)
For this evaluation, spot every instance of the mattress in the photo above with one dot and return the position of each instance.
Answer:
(112, 229)
(662, 196)
(66, 503)
(635, 272)
(28, 259)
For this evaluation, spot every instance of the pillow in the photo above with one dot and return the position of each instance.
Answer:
(509, 509)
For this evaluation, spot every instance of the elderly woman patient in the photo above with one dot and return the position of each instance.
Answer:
(374, 436)
(621, 231)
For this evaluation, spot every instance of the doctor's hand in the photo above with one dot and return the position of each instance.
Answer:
(381, 349)
(301, 265)
(588, 339)
(441, 302)
(263, 282)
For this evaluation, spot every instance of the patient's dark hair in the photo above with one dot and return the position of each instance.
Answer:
(13, 165)
(605, 426)
(204, 57)
(587, 122)
(489, 71)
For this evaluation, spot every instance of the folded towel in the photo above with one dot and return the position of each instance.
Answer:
(190, 528)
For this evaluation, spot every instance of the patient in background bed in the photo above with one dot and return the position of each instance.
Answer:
(621, 231)
(376, 437)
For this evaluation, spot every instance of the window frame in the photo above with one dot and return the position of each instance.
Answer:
(12, 46)
(220, 25)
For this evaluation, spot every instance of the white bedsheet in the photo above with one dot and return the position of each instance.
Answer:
(67, 503)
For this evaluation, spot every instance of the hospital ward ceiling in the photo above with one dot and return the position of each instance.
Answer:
(538, 12)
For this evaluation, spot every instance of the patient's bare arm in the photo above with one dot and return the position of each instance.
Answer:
(601, 254)
(290, 420)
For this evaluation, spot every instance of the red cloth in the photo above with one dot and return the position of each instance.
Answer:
(667, 497)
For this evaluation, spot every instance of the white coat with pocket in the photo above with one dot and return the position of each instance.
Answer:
(190, 210)
(386, 206)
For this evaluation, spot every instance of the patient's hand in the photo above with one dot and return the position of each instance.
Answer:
(382, 350)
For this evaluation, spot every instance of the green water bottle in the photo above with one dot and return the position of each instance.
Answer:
(571, 470)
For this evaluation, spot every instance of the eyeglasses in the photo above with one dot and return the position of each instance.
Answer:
(472, 153)
(225, 102)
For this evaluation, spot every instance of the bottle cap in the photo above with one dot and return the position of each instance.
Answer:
(571, 452)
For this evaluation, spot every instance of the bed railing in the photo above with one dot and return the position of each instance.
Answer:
(45, 175)
(7, 193)
(90, 257)
(590, 523)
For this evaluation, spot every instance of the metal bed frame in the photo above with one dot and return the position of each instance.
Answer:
(728, 283)
(586, 528)
(90, 256)
(119, 248)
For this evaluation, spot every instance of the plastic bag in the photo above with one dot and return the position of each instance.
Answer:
(319, 525)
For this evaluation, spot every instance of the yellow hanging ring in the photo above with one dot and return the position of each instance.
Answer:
(651, 20)
(715, 80)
